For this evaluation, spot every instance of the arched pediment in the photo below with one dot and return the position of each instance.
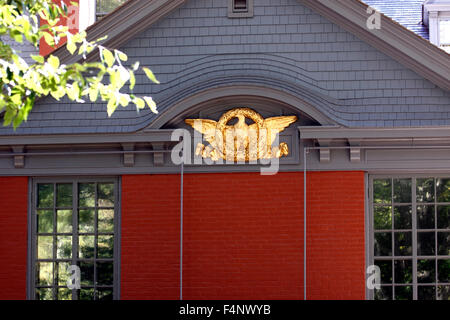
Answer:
(212, 103)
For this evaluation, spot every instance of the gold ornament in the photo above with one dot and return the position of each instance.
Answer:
(241, 142)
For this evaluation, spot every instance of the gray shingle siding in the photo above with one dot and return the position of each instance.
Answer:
(285, 46)
(24, 49)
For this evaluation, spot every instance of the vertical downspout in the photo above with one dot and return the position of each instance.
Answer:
(304, 222)
(181, 231)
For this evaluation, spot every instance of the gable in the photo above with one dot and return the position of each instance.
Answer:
(285, 47)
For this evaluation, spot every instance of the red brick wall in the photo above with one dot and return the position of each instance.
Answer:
(13, 237)
(243, 236)
(335, 235)
(72, 21)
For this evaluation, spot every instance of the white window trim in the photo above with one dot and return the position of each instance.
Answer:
(433, 14)
(86, 13)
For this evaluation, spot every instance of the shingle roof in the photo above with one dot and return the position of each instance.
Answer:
(406, 12)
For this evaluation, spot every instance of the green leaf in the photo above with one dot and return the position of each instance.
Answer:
(108, 56)
(16, 99)
(124, 99)
(16, 35)
(53, 61)
(150, 75)
(71, 46)
(140, 103)
(37, 58)
(93, 94)
(151, 104)
(132, 80)
(49, 39)
(111, 107)
(122, 56)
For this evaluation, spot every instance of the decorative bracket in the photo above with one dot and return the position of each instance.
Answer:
(355, 150)
(128, 158)
(325, 153)
(19, 160)
(158, 157)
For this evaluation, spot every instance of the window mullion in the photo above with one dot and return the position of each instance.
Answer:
(414, 237)
(74, 231)
(392, 239)
(95, 240)
(435, 241)
(55, 244)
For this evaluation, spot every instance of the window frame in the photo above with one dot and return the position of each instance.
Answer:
(32, 226)
(232, 13)
(414, 229)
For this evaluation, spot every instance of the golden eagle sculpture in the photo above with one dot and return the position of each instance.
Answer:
(241, 142)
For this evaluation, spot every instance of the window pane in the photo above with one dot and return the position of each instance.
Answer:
(105, 220)
(402, 190)
(384, 293)
(444, 243)
(382, 191)
(86, 194)
(443, 190)
(383, 244)
(45, 195)
(403, 271)
(45, 247)
(87, 273)
(64, 221)
(403, 244)
(86, 247)
(64, 294)
(402, 217)
(64, 195)
(385, 269)
(425, 243)
(425, 190)
(105, 294)
(106, 195)
(45, 221)
(426, 271)
(443, 293)
(44, 273)
(382, 218)
(426, 292)
(444, 271)
(86, 221)
(425, 217)
(403, 293)
(64, 248)
(105, 247)
(86, 294)
(443, 217)
(44, 294)
(63, 273)
(106, 6)
(105, 273)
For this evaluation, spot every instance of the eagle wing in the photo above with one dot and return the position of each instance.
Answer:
(206, 127)
(276, 125)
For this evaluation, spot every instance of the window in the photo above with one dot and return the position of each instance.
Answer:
(240, 8)
(410, 223)
(444, 37)
(74, 223)
(103, 7)
(436, 15)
